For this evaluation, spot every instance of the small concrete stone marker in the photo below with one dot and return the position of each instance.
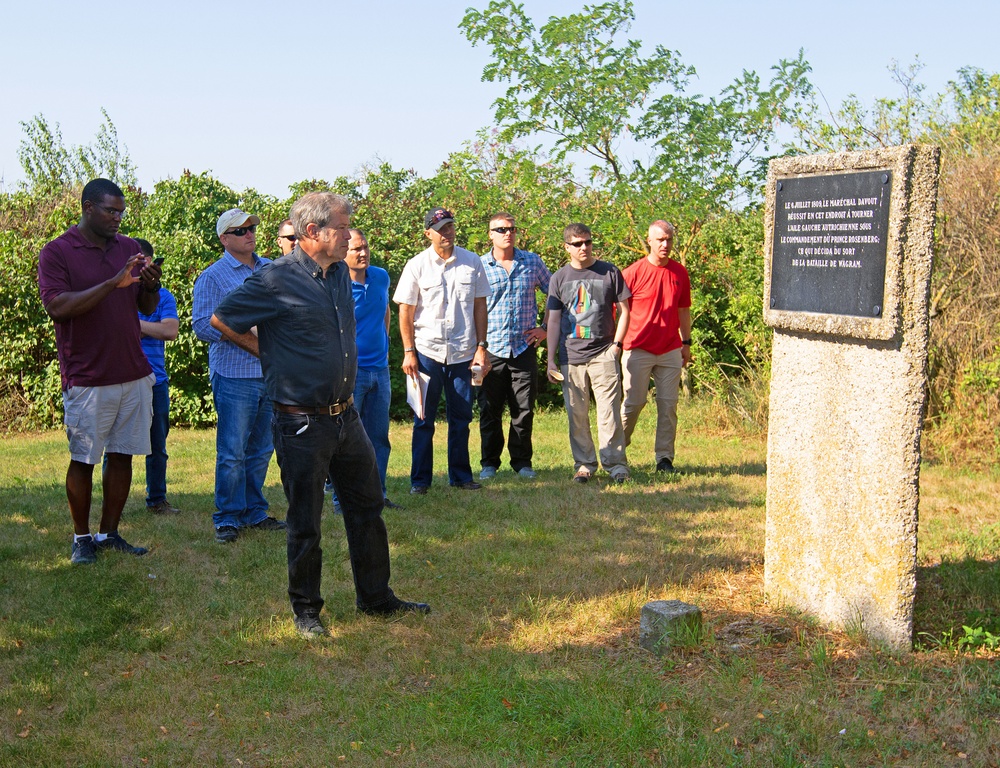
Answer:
(662, 620)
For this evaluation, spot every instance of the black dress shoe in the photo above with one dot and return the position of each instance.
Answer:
(418, 490)
(394, 606)
(390, 505)
(270, 524)
(471, 485)
(665, 465)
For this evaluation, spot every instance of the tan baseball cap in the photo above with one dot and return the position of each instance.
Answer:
(234, 217)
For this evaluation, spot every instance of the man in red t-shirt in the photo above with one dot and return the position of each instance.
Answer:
(658, 343)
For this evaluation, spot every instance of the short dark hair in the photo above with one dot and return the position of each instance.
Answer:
(98, 189)
(145, 246)
(360, 232)
(576, 230)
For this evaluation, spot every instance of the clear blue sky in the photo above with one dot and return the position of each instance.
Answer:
(263, 94)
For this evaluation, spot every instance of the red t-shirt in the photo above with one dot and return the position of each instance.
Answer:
(657, 294)
(101, 346)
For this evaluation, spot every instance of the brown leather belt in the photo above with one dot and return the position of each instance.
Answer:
(324, 410)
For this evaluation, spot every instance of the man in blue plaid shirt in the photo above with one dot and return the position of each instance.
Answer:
(513, 335)
(243, 436)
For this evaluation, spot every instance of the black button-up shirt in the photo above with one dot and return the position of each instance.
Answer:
(305, 325)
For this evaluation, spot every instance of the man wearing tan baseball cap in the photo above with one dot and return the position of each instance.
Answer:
(243, 436)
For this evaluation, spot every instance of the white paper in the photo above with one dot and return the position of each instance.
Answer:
(416, 392)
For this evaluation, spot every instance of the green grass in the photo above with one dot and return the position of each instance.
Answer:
(188, 656)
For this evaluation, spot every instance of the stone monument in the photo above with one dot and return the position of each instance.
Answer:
(848, 248)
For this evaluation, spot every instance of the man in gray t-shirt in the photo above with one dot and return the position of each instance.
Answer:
(582, 327)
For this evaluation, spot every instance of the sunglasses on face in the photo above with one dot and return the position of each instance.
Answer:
(503, 230)
(240, 231)
(290, 238)
(580, 243)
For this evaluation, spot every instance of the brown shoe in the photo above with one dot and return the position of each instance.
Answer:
(163, 508)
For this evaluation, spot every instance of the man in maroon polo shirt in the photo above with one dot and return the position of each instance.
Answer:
(92, 280)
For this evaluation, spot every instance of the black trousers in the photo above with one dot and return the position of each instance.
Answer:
(513, 382)
(309, 448)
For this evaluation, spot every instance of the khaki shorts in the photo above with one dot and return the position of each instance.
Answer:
(114, 418)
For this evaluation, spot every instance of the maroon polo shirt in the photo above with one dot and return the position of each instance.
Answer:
(101, 346)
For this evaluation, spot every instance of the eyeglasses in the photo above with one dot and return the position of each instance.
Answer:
(290, 238)
(116, 213)
(240, 231)
(503, 230)
(581, 243)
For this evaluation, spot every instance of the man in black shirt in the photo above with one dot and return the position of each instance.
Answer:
(304, 313)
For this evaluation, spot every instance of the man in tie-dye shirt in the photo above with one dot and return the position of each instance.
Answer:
(583, 329)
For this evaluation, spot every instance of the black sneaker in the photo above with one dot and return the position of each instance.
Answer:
(470, 485)
(270, 524)
(418, 490)
(394, 606)
(84, 552)
(665, 465)
(310, 626)
(390, 504)
(118, 544)
(226, 534)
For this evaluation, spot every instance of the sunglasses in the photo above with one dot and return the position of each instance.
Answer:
(240, 231)
(581, 243)
(503, 230)
(292, 238)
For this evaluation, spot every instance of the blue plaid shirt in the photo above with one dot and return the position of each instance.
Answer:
(513, 306)
(211, 287)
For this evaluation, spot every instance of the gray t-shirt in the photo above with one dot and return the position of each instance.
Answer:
(586, 298)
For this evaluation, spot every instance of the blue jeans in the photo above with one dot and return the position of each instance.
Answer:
(309, 448)
(372, 395)
(456, 382)
(243, 450)
(156, 462)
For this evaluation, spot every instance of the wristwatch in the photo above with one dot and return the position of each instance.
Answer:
(483, 344)
(686, 342)
(618, 344)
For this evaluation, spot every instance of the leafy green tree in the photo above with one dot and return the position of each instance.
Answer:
(573, 81)
(50, 166)
(888, 122)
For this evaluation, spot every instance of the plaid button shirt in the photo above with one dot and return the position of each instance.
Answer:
(513, 306)
(211, 287)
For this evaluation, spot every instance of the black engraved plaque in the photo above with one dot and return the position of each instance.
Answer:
(830, 243)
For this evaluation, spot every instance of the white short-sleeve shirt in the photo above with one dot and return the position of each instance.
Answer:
(443, 295)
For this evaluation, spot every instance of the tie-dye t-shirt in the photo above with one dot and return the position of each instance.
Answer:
(586, 298)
